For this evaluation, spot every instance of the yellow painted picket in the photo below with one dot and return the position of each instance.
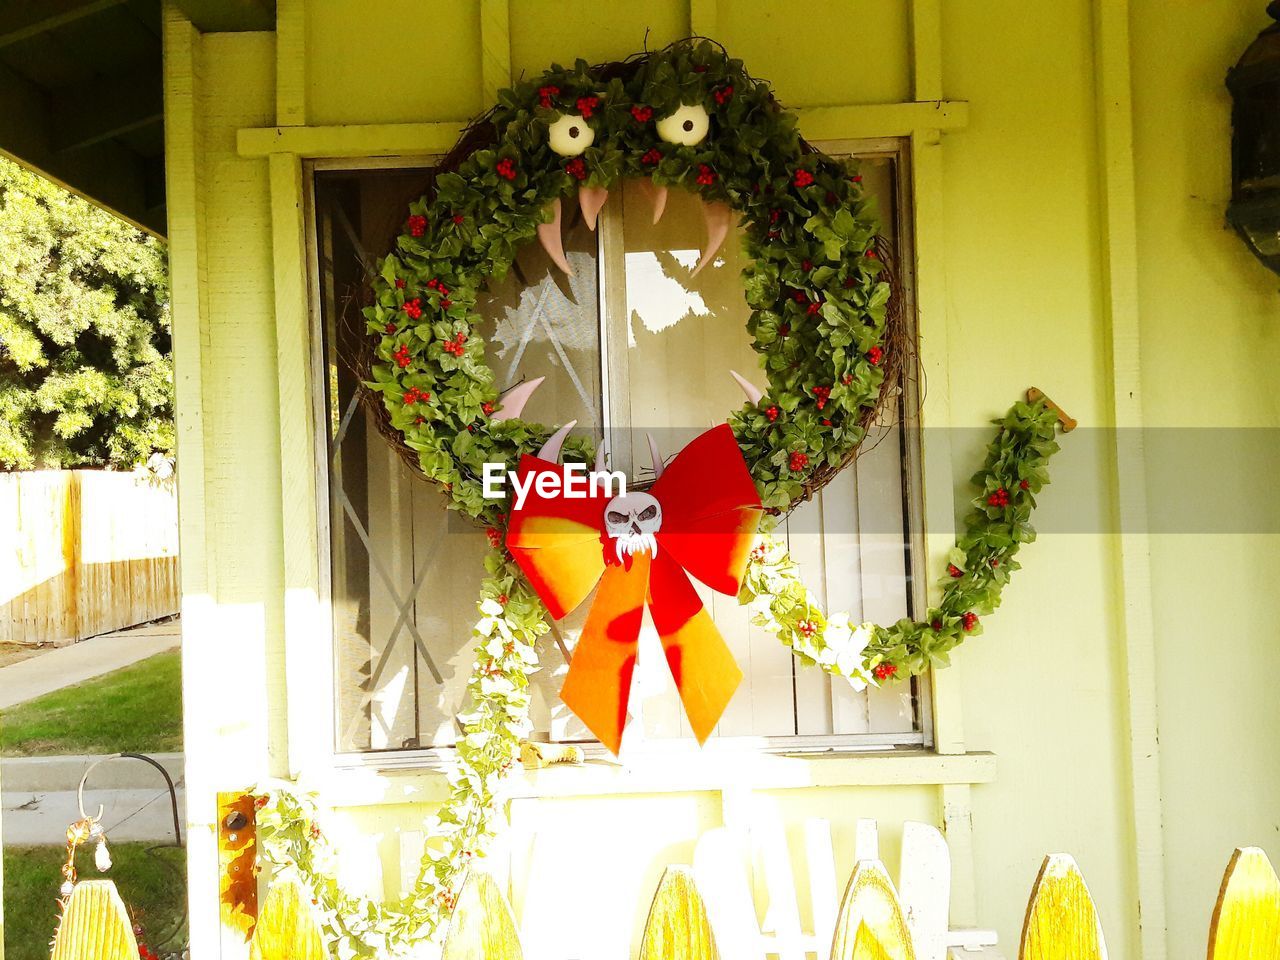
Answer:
(1246, 918)
(482, 927)
(871, 924)
(1061, 921)
(677, 927)
(287, 927)
(95, 924)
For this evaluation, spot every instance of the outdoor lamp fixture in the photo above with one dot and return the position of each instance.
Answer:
(1254, 83)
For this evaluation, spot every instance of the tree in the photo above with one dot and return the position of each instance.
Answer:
(85, 371)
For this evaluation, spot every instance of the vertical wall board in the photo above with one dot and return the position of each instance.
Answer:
(1195, 276)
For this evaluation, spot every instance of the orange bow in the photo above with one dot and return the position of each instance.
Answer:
(709, 514)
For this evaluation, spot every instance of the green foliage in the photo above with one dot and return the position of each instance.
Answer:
(511, 620)
(978, 568)
(813, 280)
(138, 709)
(85, 375)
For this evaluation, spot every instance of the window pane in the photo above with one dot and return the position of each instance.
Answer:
(680, 337)
(405, 572)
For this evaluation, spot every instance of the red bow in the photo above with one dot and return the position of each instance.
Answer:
(708, 511)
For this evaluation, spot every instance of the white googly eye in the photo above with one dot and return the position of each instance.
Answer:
(570, 135)
(687, 126)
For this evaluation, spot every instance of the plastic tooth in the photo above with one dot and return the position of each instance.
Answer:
(717, 217)
(549, 237)
(658, 465)
(591, 201)
(754, 393)
(551, 449)
(657, 194)
(511, 404)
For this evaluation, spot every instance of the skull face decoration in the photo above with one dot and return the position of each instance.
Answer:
(631, 520)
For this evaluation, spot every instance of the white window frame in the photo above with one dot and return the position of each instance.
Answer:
(612, 283)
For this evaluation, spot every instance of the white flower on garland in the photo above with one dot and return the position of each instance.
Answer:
(841, 652)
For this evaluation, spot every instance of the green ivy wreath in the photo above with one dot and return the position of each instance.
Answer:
(820, 319)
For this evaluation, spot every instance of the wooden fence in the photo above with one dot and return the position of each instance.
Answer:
(84, 552)
(1061, 921)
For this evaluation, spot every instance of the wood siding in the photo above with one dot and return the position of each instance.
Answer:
(84, 552)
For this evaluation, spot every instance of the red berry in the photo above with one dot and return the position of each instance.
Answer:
(390, 328)
(487, 408)
(798, 461)
(495, 537)
(576, 168)
(724, 95)
(1023, 485)
(806, 265)
(814, 307)
(458, 218)
(642, 114)
(772, 414)
(884, 671)
(803, 178)
(417, 225)
(412, 308)
(652, 157)
(505, 168)
(969, 621)
(875, 355)
(545, 95)
(826, 423)
(399, 283)
(587, 106)
(856, 178)
(935, 625)
(402, 355)
(872, 255)
(706, 176)
(955, 571)
(784, 330)
(502, 599)
(847, 379)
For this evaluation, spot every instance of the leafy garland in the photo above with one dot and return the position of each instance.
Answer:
(818, 297)
(980, 564)
(512, 618)
(290, 839)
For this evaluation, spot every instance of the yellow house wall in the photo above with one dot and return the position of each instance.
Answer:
(1019, 246)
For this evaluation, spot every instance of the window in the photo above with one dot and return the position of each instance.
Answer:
(629, 345)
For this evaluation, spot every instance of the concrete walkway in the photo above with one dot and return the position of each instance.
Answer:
(39, 798)
(36, 819)
(65, 666)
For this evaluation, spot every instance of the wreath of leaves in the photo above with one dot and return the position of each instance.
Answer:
(815, 280)
(830, 344)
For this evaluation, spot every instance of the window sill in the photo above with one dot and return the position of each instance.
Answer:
(660, 773)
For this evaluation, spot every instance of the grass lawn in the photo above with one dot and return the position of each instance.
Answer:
(153, 887)
(137, 709)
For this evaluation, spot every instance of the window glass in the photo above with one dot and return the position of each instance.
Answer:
(632, 344)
